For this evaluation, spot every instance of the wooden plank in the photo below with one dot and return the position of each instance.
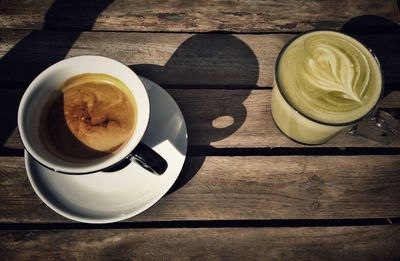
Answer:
(245, 188)
(217, 60)
(316, 243)
(242, 121)
(188, 16)
(174, 59)
(234, 119)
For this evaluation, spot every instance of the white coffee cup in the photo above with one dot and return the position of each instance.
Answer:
(49, 81)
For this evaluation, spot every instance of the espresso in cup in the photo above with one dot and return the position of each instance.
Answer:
(325, 81)
(86, 114)
(89, 116)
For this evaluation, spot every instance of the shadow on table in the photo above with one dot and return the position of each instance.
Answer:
(382, 36)
(14, 65)
(211, 61)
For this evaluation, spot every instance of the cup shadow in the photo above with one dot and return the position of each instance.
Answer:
(382, 36)
(213, 61)
(205, 60)
(34, 45)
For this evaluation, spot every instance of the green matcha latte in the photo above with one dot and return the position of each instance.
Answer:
(328, 78)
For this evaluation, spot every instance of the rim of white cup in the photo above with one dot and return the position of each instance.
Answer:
(143, 115)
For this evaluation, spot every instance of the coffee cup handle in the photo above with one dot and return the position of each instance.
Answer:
(148, 159)
(381, 127)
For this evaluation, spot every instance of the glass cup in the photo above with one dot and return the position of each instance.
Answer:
(299, 125)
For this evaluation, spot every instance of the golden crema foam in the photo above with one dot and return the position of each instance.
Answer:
(90, 116)
(330, 77)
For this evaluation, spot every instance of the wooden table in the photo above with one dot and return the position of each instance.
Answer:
(246, 191)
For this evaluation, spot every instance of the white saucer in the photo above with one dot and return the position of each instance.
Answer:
(105, 197)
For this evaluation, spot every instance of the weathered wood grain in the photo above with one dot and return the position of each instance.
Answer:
(316, 243)
(215, 60)
(173, 59)
(190, 16)
(245, 188)
(233, 119)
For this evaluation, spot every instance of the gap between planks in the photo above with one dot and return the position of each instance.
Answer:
(207, 224)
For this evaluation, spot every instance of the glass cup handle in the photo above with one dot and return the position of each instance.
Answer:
(381, 128)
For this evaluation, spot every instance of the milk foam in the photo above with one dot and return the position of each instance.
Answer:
(330, 77)
(90, 116)
(98, 111)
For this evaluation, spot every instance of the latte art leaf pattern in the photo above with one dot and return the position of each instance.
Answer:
(331, 70)
(329, 77)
